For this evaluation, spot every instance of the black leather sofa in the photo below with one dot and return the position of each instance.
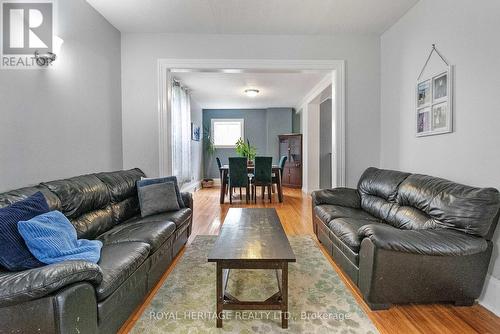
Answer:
(82, 297)
(409, 238)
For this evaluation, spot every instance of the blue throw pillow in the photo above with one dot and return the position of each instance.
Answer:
(14, 254)
(149, 181)
(51, 238)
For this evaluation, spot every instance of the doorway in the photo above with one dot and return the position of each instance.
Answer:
(325, 143)
(336, 81)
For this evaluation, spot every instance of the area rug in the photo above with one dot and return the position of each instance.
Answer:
(319, 302)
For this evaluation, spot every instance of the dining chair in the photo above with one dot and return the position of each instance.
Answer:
(219, 165)
(238, 177)
(281, 166)
(262, 176)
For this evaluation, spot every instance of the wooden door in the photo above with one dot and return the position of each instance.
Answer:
(286, 176)
(295, 177)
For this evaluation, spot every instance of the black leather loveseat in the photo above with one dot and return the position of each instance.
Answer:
(409, 238)
(82, 297)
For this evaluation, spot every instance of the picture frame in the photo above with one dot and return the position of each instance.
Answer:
(195, 132)
(434, 104)
(424, 93)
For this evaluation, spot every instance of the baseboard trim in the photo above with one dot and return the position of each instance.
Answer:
(307, 191)
(490, 297)
(191, 187)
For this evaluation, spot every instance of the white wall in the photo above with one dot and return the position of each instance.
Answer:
(140, 53)
(64, 121)
(466, 32)
(196, 146)
(310, 143)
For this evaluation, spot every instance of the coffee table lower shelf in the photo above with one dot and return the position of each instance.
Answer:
(278, 301)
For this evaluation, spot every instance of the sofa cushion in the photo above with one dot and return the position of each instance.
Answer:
(17, 195)
(152, 233)
(180, 217)
(122, 187)
(378, 189)
(91, 224)
(381, 183)
(346, 229)
(80, 194)
(452, 205)
(125, 209)
(119, 261)
(121, 184)
(327, 212)
(409, 218)
(436, 242)
(351, 255)
(377, 206)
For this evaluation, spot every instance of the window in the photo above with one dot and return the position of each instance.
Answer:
(226, 132)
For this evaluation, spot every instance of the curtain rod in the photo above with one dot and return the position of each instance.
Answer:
(176, 82)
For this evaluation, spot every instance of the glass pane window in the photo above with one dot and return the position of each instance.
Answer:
(226, 132)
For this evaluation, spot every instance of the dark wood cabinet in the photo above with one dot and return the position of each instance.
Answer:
(291, 146)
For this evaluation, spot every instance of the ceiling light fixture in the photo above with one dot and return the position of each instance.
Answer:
(251, 92)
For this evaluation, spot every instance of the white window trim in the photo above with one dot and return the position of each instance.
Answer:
(239, 120)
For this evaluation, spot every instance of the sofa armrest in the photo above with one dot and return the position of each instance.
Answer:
(338, 196)
(21, 286)
(436, 242)
(187, 198)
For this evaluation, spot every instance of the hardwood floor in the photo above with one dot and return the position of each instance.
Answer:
(295, 215)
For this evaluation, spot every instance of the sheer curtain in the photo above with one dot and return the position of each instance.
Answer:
(181, 133)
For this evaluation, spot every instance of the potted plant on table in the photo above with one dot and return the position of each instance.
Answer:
(246, 150)
(208, 143)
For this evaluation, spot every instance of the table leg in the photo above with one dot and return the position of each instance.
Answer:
(278, 185)
(220, 296)
(284, 295)
(223, 186)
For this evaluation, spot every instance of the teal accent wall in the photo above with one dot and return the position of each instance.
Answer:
(279, 121)
(262, 127)
(296, 126)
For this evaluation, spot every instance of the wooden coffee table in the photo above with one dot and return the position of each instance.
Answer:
(252, 239)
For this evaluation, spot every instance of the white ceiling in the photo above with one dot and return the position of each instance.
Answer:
(225, 90)
(310, 17)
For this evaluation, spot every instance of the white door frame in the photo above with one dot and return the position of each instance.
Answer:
(337, 68)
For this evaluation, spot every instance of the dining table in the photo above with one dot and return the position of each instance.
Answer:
(224, 172)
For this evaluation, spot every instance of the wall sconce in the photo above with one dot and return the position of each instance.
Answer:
(48, 58)
(44, 60)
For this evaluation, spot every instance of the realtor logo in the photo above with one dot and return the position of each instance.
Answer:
(27, 27)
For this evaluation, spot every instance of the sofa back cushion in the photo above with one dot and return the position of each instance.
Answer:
(122, 186)
(17, 195)
(85, 201)
(94, 203)
(92, 224)
(80, 194)
(378, 189)
(452, 205)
